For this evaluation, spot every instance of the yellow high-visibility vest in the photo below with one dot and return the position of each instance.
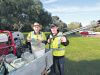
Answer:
(40, 36)
(56, 46)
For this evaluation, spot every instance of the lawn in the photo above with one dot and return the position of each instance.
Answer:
(83, 56)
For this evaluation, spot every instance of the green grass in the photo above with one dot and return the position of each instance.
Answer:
(83, 56)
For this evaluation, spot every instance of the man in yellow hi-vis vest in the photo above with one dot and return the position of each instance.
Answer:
(57, 43)
(36, 36)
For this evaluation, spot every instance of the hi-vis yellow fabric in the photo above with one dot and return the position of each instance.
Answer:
(40, 36)
(58, 48)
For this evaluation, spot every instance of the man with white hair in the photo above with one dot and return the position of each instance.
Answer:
(36, 34)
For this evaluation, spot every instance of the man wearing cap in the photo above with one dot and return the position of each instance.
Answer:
(36, 34)
(57, 42)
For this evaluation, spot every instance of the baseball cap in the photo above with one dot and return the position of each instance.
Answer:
(53, 25)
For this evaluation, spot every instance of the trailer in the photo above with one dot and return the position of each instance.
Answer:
(36, 66)
(27, 63)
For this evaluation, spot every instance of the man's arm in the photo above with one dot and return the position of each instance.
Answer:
(64, 41)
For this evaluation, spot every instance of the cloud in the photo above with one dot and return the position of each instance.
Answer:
(73, 9)
(63, 9)
(78, 13)
(49, 1)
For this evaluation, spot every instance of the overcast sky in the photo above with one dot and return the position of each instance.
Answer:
(82, 11)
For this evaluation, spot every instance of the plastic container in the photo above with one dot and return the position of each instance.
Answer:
(28, 57)
(10, 57)
(17, 63)
(38, 54)
(38, 48)
(2, 69)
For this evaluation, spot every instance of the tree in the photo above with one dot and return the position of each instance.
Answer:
(21, 13)
(95, 28)
(61, 24)
(74, 25)
(45, 19)
(15, 11)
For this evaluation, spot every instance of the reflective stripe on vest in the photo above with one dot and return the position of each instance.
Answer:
(37, 37)
(57, 49)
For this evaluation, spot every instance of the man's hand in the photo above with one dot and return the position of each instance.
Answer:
(29, 39)
(63, 39)
(48, 40)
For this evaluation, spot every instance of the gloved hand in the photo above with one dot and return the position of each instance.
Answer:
(63, 39)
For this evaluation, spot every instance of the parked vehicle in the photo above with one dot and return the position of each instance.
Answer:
(7, 43)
